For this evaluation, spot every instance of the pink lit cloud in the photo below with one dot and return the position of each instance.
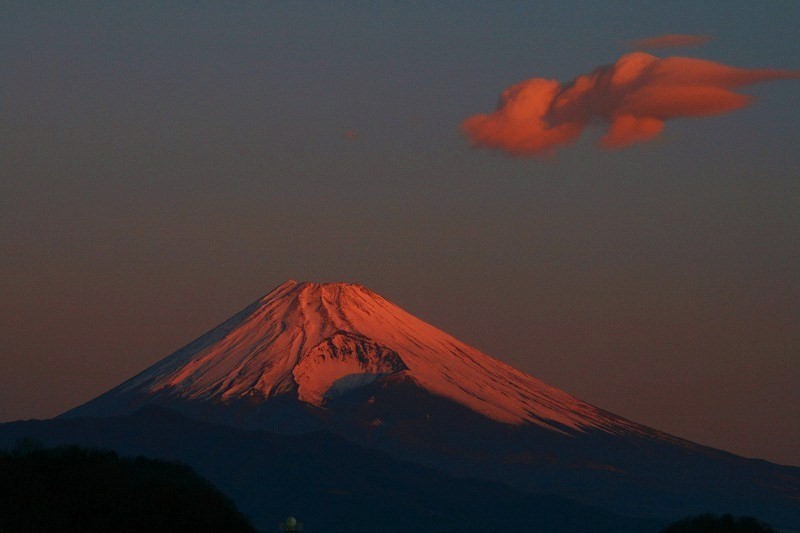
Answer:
(635, 96)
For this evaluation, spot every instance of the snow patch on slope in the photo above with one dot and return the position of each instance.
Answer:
(342, 362)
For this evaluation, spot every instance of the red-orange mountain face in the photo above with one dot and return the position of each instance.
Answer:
(313, 342)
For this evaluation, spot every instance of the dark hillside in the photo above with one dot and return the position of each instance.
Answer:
(80, 489)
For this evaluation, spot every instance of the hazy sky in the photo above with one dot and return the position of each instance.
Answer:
(162, 167)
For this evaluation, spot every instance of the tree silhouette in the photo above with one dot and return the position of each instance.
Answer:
(711, 523)
(79, 489)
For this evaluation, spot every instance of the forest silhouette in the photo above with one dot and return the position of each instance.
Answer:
(81, 489)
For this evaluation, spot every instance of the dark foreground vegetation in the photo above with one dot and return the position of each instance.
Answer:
(711, 523)
(80, 489)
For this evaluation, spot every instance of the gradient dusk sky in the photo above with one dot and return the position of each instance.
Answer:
(161, 167)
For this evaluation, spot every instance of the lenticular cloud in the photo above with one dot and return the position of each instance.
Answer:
(634, 96)
(671, 40)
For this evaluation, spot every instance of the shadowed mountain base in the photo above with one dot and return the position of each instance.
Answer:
(326, 482)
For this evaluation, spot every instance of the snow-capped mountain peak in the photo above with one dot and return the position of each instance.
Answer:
(314, 342)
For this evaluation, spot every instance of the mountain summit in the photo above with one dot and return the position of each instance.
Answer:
(314, 342)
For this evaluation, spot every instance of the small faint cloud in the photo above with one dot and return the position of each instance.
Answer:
(670, 40)
(635, 96)
(350, 135)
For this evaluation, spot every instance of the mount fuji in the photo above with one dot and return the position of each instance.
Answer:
(312, 343)
(310, 359)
